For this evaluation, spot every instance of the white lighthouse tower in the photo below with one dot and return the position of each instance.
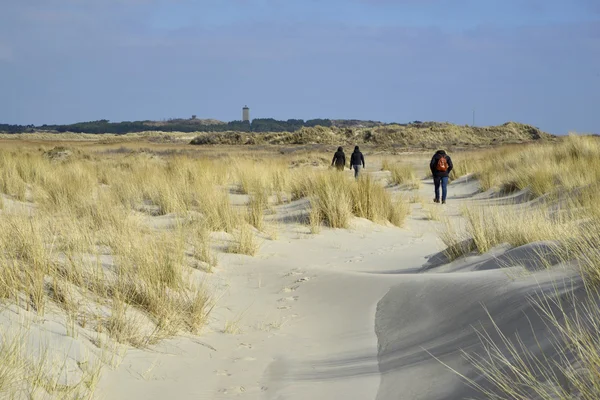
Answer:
(246, 114)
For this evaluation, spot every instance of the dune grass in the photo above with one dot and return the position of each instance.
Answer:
(120, 245)
(431, 212)
(335, 199)
(330, 194)
(542, 168)
(402, 174)
(74, 214)
(244, 242)
(370, 200)
(565, 176)
(199, 238)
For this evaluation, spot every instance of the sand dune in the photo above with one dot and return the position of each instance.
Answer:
(370, 312)
(347, 314)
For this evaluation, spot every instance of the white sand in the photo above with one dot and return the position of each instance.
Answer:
(344, 314)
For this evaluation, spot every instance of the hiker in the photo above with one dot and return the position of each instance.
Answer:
(357, 161)
(339, 159)
(440, 165)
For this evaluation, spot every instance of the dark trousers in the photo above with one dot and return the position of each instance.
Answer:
(443, 180)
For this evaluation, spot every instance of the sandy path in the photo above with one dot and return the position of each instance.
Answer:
(304, 303)
(320, 316)
(306, 308)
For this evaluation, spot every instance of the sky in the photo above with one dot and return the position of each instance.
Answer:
(530, 61)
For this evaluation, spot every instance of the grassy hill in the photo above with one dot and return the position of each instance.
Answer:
(422, 135)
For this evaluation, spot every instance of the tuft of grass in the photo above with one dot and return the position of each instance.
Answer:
(202, 251)
(370, 200)
(302, 184)
(244, 242)
(315, 220)
(398, 211)
(330, 194)
(217, 210)
(386, 164)
(432, 212)
(416, 198)
(335, 199)
(494, 225)
(401, 174)
(233, 327)
(456, 239)
(259, 201)
(125, 327)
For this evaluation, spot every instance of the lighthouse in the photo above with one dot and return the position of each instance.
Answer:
(246, 114)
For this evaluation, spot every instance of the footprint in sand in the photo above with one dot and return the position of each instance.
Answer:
(284, 307)
(245, 345)
(233, 390)
(355, 260)
(222, 372)
(303, 279)
(238, 390)
(291, 298)
(294, 272)
(290, 289)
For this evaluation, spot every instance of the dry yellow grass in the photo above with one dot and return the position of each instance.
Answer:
(432, 212)
(68, 212)
(330, 194)
(544, 168)
(82, 206)
(566, 174)
(244, 242)
(38, 374)
(199, 237)
(402, 174)
(335, 199)
(118, 243)
(370, 200)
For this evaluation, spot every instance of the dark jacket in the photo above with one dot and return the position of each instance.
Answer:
(339, 159)
(432, 165)
(357, 159)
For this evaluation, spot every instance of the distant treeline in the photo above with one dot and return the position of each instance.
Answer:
(105, 126)
(16, 128)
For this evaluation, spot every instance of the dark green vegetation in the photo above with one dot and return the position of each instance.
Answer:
(174, 125)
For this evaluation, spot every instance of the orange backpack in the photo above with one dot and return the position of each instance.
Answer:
(442, 164)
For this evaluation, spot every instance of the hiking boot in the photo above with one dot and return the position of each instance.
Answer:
(436, 200)
(443, 201)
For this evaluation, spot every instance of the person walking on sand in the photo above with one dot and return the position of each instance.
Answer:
(357, 161)
(440, 165)
(339, 159)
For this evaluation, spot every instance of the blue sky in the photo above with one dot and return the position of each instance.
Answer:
(532, 61)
